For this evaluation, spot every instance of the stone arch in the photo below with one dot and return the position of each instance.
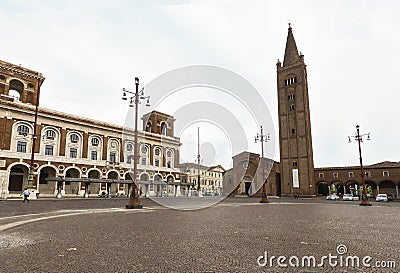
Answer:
(388, 187)
(159, 187)
(339, 187)
(47, 171)
(170, 178)
(323, 188)
(144, 176)
(16, 89)
(72, 187)
(374, 188)
(352, 187)
(128, 175)
(144, 188)
(18, 177)
(94, 173)
(112, 187)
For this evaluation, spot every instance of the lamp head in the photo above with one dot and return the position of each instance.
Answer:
(124, 95)
(136, 80)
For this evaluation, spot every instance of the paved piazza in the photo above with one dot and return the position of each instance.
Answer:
(99, 235)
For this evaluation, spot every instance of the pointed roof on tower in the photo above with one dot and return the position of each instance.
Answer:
(291, 52)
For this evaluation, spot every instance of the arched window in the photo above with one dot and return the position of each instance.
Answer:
(23, 129)
(144, 154)
(50, 134)
(157, 157)
(163, 128)
(170, 161)
(15, 89)
(129, 147)
(95, 141)
(74, 138)
(148, 126)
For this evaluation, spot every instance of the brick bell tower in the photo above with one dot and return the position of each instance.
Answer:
(296, 152)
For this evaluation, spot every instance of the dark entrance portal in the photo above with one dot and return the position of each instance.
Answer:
(247, 186)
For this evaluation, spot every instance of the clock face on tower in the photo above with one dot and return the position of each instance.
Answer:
(246, 165)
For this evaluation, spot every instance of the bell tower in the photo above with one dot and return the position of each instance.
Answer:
(296, 152)
(19, 84)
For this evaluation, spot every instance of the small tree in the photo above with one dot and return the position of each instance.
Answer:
(333, 188)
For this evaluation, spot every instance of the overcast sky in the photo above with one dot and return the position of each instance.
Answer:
(89, 50)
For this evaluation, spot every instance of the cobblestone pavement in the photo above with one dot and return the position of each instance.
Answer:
(99, 235)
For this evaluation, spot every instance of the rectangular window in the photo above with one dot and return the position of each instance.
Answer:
(335, 175)
(169, 164)
(367, 174)
(21, 147)
(129, 159)
(291, 107)
(294, 163)
(157, 163)
(48, 150)
(321, 175)
(144, 161)
(351, 174)
(112, 157)
(386, 173)
(73, 153)
(93, 155)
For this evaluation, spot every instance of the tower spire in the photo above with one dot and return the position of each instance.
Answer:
(291, 52)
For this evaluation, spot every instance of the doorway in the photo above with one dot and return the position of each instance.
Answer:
(247, 186)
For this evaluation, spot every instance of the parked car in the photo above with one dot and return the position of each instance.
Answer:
(390, 198)
(382, 197)
(356, 198)
(332, 196)
(347, 197)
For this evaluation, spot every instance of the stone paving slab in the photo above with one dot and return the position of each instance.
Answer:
(228, 237)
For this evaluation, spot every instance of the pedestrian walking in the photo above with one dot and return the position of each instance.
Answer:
(26, 194)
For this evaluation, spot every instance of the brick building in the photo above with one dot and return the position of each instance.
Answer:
(295, 173)
(211, 178)
(383, 177)
(78, 148)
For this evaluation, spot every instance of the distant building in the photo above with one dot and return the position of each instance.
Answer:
(245, 178)
(211, 178)
(70, 146)
(382, 177)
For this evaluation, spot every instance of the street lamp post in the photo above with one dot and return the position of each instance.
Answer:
(358, 138)
(134, 202)
(198, 161)
(34, 137)
(262, 138)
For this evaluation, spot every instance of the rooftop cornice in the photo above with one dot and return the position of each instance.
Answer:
(21, 71)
